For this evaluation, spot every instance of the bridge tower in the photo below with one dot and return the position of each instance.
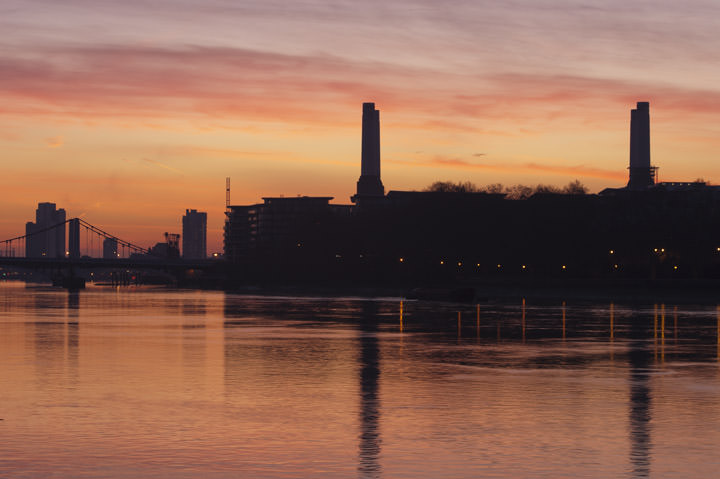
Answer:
(74, 238)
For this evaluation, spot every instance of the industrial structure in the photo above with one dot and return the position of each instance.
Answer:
(644, 229)
(642, 173)
(643, 176)
(369, 185)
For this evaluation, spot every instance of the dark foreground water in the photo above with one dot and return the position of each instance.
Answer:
(143, 383)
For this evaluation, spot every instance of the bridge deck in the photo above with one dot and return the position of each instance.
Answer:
(100, 263)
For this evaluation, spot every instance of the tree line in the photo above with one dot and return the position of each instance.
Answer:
(513, 192)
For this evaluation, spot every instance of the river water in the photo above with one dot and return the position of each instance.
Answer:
(143, 382)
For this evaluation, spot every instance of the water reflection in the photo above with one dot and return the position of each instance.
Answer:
(241, 386)
(369, 448)
(639, 360)
(73, 332)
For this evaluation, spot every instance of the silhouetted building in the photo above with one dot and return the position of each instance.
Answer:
(110, 248)
(240, 231)
(642, 173)
(643, 176)
(194, 234)
(47, 235)
(369, 184)
(644, 230)
(278, 223)
(169, 249)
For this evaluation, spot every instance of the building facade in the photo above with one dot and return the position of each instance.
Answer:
(110, 248)
(277, 224)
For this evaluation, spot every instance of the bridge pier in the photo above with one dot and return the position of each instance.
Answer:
(66, 278)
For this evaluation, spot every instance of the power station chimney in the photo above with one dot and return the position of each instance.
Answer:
(642, 174)
(369, 183)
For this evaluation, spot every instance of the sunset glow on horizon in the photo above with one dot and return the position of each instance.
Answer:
(127, 114)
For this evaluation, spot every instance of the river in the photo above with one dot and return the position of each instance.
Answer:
(159, 383)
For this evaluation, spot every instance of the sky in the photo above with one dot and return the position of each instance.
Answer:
(128, 113)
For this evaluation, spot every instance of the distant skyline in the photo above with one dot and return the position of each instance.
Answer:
(129, 113)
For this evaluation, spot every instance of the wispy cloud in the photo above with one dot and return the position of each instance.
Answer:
(517, 168)
(118, 81)
(162, 165)
(55, 141)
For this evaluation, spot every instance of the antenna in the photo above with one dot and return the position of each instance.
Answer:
(227, 193)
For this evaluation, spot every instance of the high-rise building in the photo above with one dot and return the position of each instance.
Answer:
(642, 173)
(46, 237)
(194, 235)
(369, 184)
(110, 248)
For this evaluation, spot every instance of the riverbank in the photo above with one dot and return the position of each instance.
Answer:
(628, 291)
(631, 291)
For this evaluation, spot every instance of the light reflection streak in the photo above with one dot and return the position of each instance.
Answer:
(612, 331)
(401, 316)
(73, 332)
(655, 325)
(662, 333)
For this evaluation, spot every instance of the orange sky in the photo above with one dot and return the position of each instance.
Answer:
(128, 114)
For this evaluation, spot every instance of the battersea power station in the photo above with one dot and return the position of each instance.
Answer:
(647, 230)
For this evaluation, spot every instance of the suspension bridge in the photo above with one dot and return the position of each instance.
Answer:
(88, 247)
